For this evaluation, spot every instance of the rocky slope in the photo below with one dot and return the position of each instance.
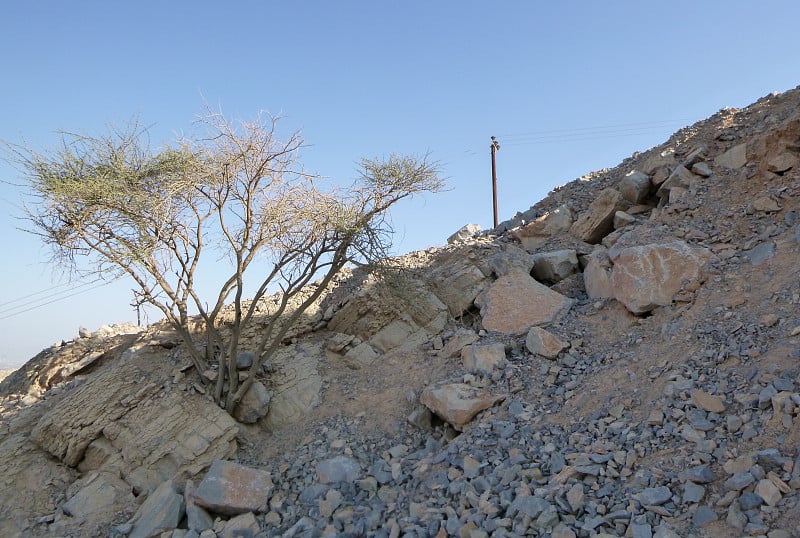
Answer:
(619, 360)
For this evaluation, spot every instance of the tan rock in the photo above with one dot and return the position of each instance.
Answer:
(768, 491)
(544, 343)
(622, 219)
(98, 495)
(230, 488)
(457, 342)
(554, 266)
(680, 180)
(597, 274)
(766, 204)
(782, 163)
(458, 403)
(598, 221)
(644, 277)
(514, 303)
(482, 357)
(536, 233)
(734, 158)
(708, 402)
(635, 187)
(254, 404)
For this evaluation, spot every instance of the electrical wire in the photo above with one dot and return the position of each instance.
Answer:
(53, 298)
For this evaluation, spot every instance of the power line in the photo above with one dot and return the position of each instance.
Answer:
(40, 292)
(581, 138)
(53, 299)
(579, 130)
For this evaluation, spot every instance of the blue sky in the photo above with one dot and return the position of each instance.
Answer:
(567, 88)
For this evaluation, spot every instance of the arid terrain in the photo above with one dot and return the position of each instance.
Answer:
(621, 359)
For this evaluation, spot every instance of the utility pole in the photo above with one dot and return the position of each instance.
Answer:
(494, 148)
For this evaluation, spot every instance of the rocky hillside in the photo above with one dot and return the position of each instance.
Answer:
(619, 360)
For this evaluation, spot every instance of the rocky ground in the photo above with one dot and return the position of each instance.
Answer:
(619, 360)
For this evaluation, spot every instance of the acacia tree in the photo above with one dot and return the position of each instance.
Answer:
(234, 191)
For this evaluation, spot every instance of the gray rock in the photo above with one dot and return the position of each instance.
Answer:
(465, 233)
(244, 360)
(641, 530)
(528, 505)
(552, 267)
(703, 516)
(654, 496)
(162, 511)
(693, 493)
(739, 481)
(338, 469)
(750, 501)
(760, 253)
(701, 475)
(702, 169)
(254, 404)
(197, 518)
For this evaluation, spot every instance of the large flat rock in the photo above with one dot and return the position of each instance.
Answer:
(230, 488)
(458, 403)
(647, 276)
(516, 302)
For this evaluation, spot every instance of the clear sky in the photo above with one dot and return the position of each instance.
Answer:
(567, 87)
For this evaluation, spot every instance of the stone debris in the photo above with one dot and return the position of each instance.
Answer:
(632, 373)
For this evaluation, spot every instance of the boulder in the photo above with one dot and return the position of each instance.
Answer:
(598, 221)
(535, 234)
(464, 234)
(98, 495)
(552, 267)
(635, 187)
(516, 302)
(254, 404)
(482, 357)
(162, 511)
(597, 274)
(229, 488)
(458, 403)
(622, 219)
(197, 518)
(456, 281)
(680, 178)
(510, 260)
(644, 277)
(544, 343)
(783, 162)
(734, 158)
(702, 169)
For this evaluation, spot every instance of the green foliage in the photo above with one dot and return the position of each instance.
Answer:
(236, 190)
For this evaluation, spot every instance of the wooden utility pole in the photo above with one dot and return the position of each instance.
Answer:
(494, 147)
